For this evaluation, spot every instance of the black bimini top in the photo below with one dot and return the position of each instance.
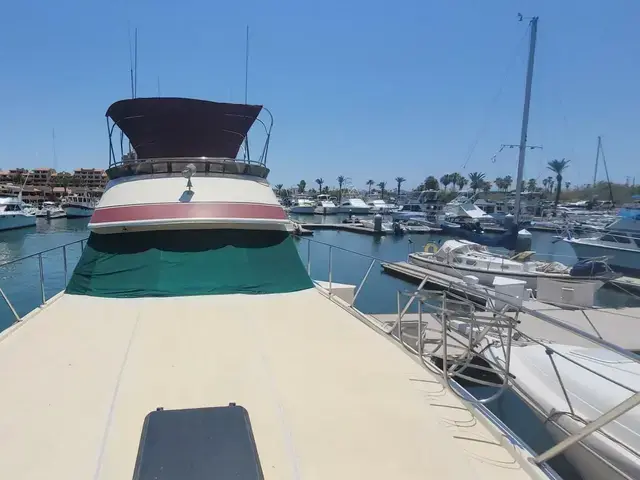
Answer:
(183, 127)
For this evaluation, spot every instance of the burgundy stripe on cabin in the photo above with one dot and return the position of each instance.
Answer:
(160, 211)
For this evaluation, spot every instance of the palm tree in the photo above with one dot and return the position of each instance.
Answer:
(382, 186)
(499, 183)
(341, 180)
(279, 188)
(399, 181)
(302, 185)
(431, 183)
(445, 180)
(320, 182)
(531, 185)
(558, 167)
(461, 181)
(567, 185)
(507, 182)
(545, 183)
(550, 184)
(453, 177)
(476, 181)
(370, 183)
(486, 186)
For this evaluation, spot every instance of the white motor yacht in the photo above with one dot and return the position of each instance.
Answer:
(619, 242)
(382, 207)
(303, 205)
(190, 341)
(78, 206)
(51, 211)
(463, 209)
(325, 205)
(426, 206)
(459, 258)
(14, 213)
(354, 206)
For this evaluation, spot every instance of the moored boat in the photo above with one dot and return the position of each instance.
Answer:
(355, 206)
(566, 397)
(14, 214)
(190, 320)
(50, 210)
(459, 258)
(326, 205)
(303, 205)
(619, 242)
(78, 206)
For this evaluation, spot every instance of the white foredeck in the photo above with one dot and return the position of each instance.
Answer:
(328, 397)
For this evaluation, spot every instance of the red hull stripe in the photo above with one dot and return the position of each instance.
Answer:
(167, 211)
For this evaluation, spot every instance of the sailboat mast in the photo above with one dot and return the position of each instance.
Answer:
(525, 114)
(606, 169)
(595, 172)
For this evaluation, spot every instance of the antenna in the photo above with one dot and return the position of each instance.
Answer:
(135, 66)
(133, 93)
(246, 89)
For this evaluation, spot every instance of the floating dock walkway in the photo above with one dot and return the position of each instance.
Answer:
(355, 228)
(616, 325)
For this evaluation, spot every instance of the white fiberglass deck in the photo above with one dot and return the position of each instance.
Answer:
(328, 397)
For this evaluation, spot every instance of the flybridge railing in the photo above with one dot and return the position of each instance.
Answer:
(63, 249)
(132, 156)
(454, 310)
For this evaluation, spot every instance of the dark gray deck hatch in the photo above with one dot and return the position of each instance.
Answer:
(198, 444)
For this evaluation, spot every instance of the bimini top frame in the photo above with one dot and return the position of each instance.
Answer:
(163, 131)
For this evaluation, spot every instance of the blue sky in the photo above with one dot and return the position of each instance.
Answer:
(366, 89)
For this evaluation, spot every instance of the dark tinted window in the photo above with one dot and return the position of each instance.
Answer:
(616, 238)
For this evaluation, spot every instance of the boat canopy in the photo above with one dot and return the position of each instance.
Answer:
(183, 127)
(457, 246)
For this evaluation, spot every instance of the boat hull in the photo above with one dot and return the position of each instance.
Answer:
(409, 216)
(326, 210)
(73, 211)
(535, 382)
(355, 210)
(621, 260)
(303, 210)
(11, 222)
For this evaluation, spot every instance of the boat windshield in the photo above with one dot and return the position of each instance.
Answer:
(188, 262)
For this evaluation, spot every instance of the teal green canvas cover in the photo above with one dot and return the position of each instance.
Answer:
(188, 262)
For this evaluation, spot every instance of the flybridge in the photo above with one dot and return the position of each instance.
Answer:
(166, 134)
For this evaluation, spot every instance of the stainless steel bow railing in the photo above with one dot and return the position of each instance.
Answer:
(39, 255)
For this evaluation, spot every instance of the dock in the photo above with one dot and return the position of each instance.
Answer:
(356, 228)
(616, 325)
(415, 274)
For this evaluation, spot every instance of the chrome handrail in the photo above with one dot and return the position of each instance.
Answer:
(41, 271)
(465, 293)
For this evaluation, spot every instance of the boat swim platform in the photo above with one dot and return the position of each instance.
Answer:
(620, 326)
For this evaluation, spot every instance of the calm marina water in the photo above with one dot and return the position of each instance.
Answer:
(20, 282)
